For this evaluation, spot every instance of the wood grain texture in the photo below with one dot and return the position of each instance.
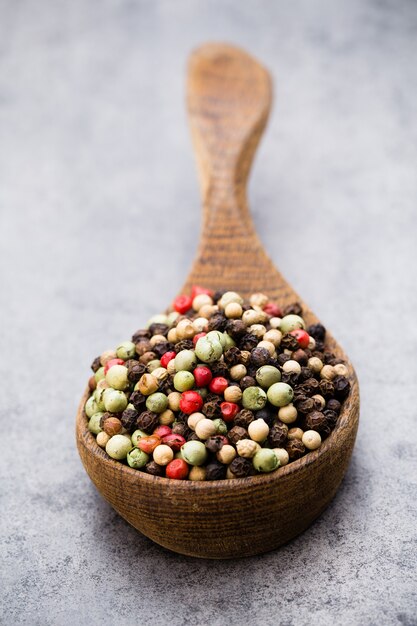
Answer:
(229, 98)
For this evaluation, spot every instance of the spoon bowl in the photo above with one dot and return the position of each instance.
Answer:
(229, 98)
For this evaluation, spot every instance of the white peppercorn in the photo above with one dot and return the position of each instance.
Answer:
(258, 430)
(247, 448)
(226, 454)
(282, 456)
(311, 439)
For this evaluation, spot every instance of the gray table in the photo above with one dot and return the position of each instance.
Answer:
(95, 165)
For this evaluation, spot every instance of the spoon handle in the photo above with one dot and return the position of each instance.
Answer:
(229, 99)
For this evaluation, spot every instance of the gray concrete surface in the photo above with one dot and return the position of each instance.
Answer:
(99, 215)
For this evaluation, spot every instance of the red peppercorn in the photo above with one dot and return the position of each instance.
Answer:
(167, 357)
(162, 431)
(302, 337)
(197, 337)
(190, 402)
(174, 441)
(182, 304)
(177, 469)
(202, 376)
(273, 309)
(196, 290)
(218, 384)
(229, 411)
(112, 362)
(148, 444)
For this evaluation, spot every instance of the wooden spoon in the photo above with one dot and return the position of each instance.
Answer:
(229, 98)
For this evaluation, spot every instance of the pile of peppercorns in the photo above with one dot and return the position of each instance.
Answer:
(217, 388)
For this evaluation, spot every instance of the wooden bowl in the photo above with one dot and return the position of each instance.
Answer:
(229, 98)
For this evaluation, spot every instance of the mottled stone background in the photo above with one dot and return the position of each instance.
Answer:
(99, 221)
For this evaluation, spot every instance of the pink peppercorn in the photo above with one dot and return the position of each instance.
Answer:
(218, 385)
(162, 431)
(167, 357)
(190, 402)
(177, 469)
(197, 337)
(112, 362)
(174, 441)
(273, 309)
(202, 376)
(182, 304)
(196, 290)
(302, 337)
(229, 411)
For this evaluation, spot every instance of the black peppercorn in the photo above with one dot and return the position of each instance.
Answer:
(162, 347)
(155, 469)
(215, 471)
(180, 428)
(333, 405)
(138, 400)
(326, 388)
(305, 374)
(147, 421)
(268, 414)
(259, 357)
(212, 409)
(214, 443)
(310, 386)
(159, 329)
(232, 356)
(290, 378)
(277, 435)
(236, 329)
(129, 418)
(341, 387)
(295, 449)
(248, 342)
(218, 294)
(317, 331)
(289, 342)
(293, 309)
(95, 365)
(143, 346)
(247, 381)
(184, 344)
(134, 370)
(283, 358)
(305, 405)
(241, 467)
(193, 437)
(217, 322)
(237, 433)
(300, 356)
(316, 420)
(219, 368)
(244, 418)
(331, 417)
(140, 334)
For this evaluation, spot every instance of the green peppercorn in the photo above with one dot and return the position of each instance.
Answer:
(115, 401)
(185, 360)
(254, 398)
(265, 460)
(183, 381)
(267, 375)
(153, 365)
(94, 423)
(138, 434)
(228, 342)
(157, 319)
(126, 350)
(208, 349)
(99, 374)
(217, 336)
(98, 397)
(171, 318)
(157, 402)
(291, 322)
(220, 425)
(137, 458)
(118, 446)
(91, 407)
(116, 377)
(280, 394)
(194, 452)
